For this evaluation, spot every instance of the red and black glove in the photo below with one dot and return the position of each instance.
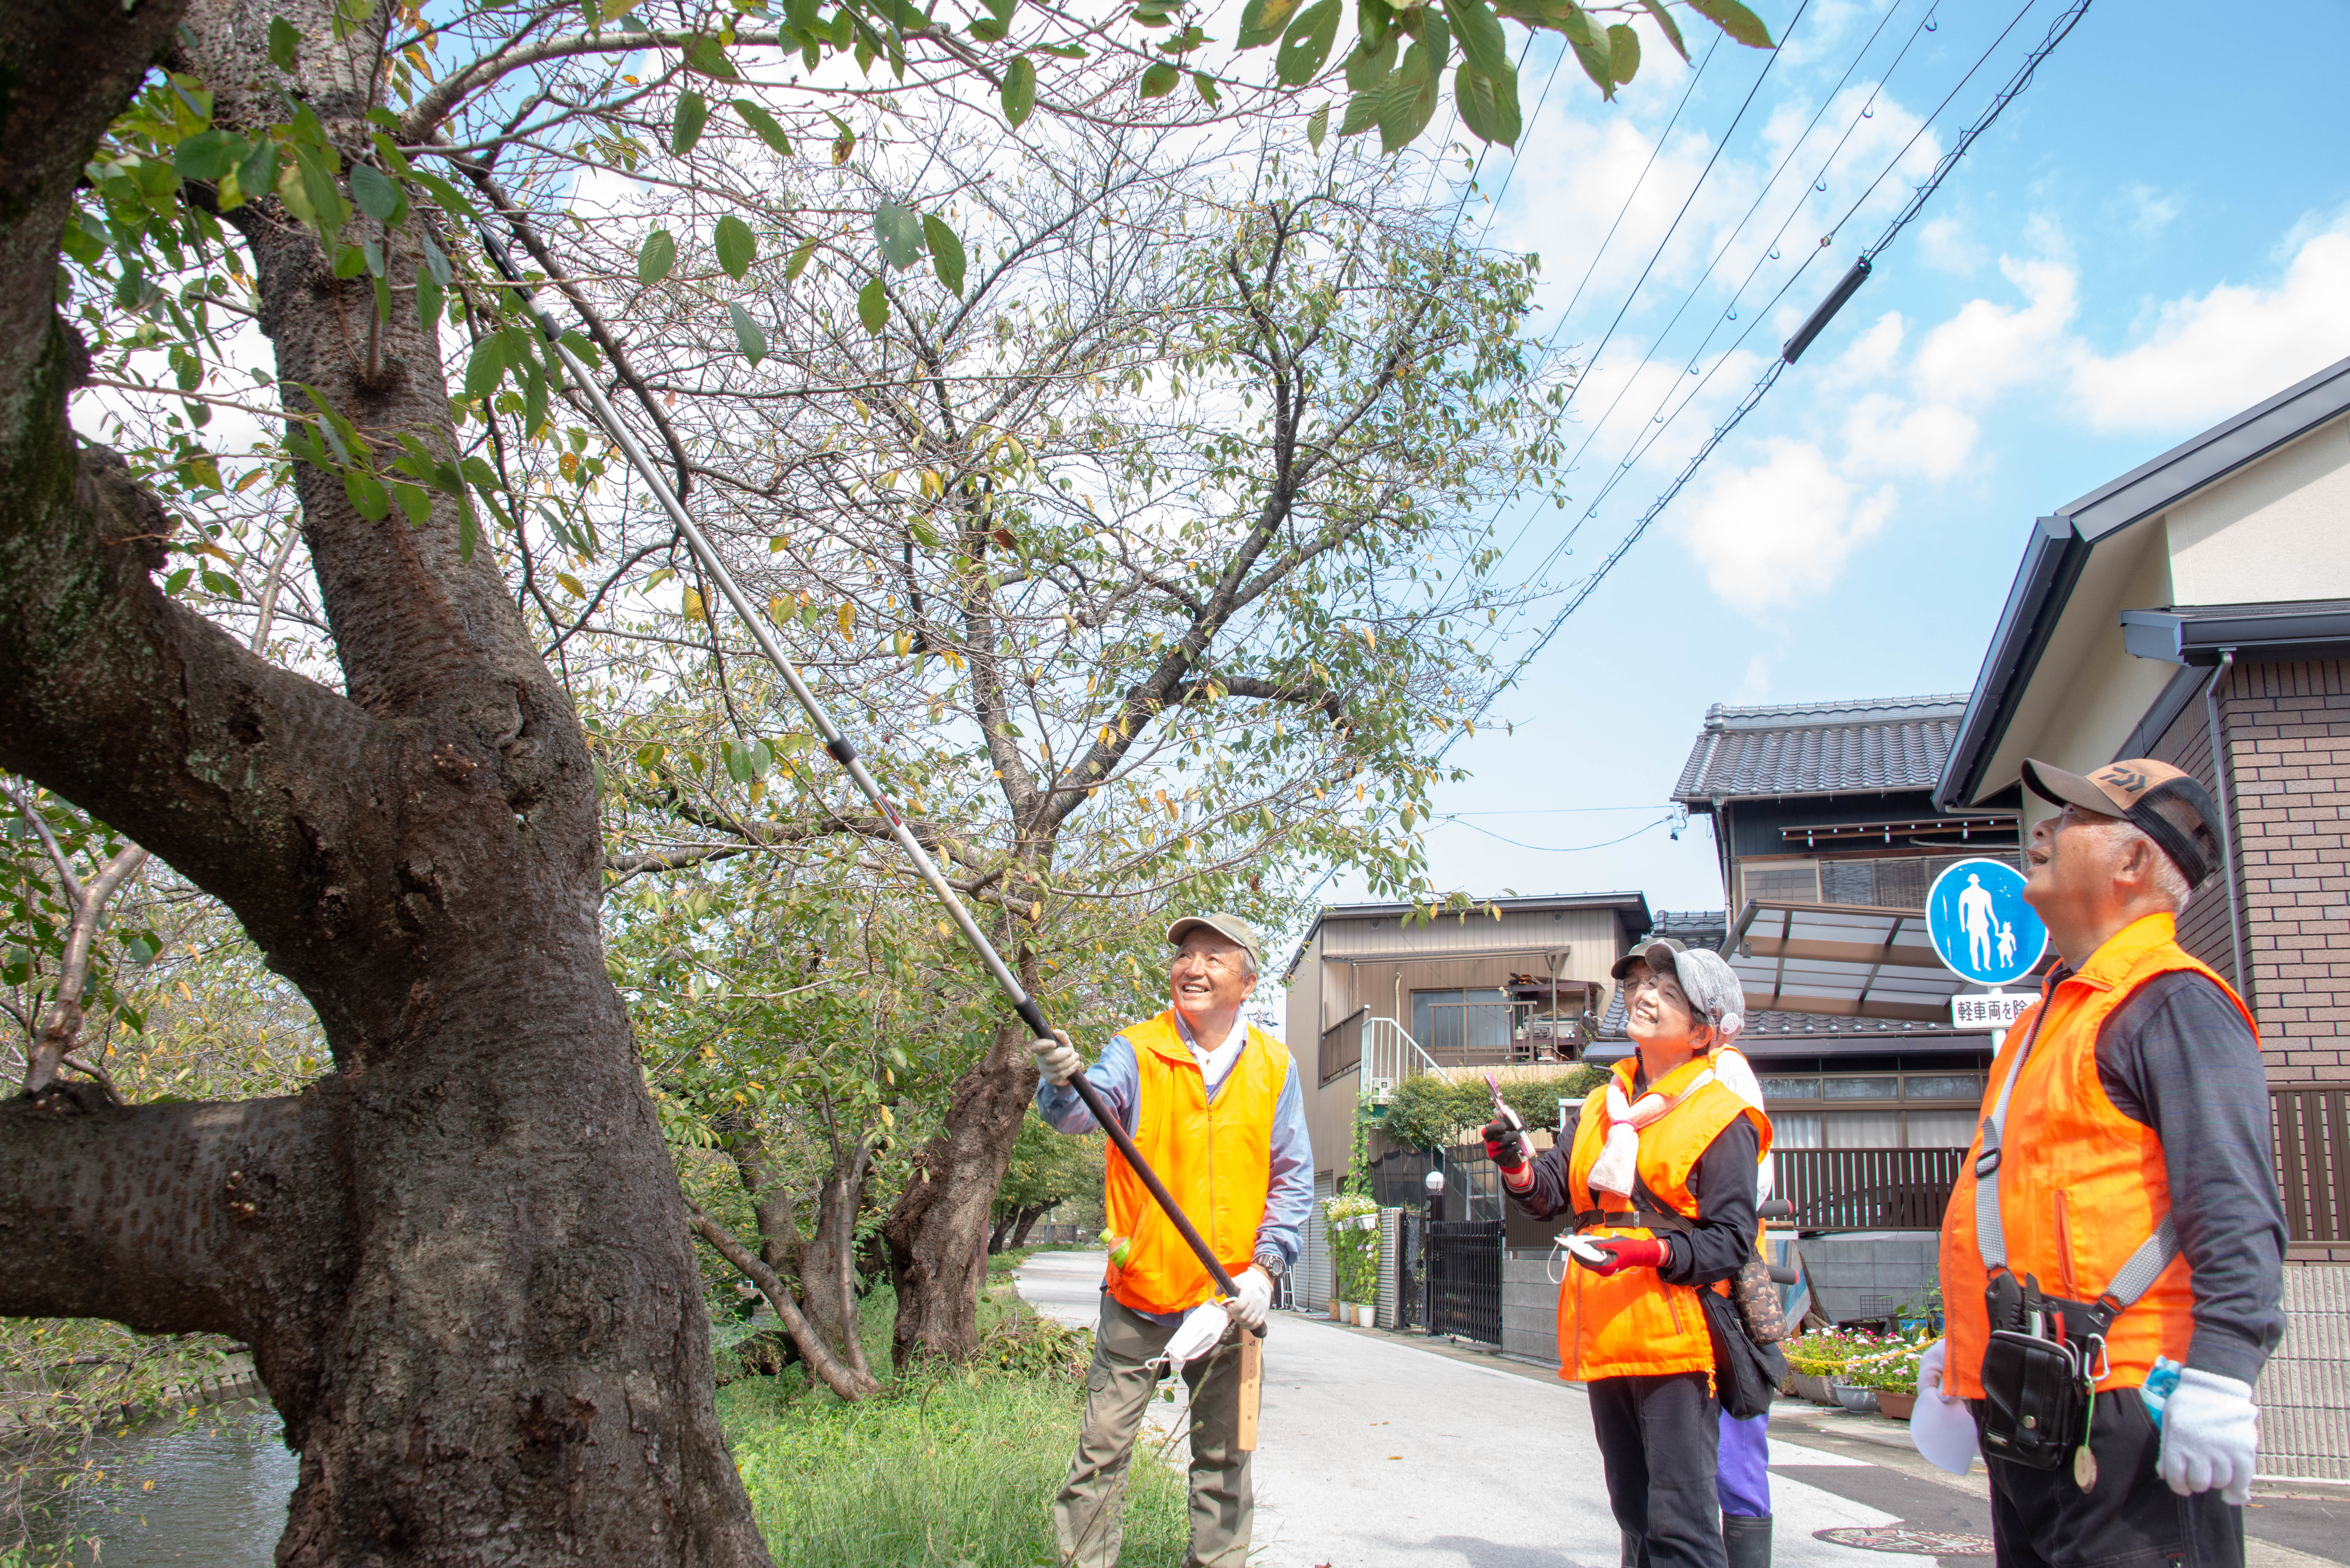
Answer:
(1504, 1145)
(1625, 1252)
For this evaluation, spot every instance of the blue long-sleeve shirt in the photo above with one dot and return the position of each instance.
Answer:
(1289, 1187)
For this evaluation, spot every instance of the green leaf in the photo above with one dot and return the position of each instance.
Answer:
(485, 369)
(1623, 52)
(946, 253)
(900, 234)
(764, 123)
(329, 211)
(1594, 50)
(1019, 92)
(258, 172)
(1317, 126)
(747, 336)
(209, 154)
(656, 257)
(1159, 79)
(798, 263)
(707, 56)
(1306, 44)
(1261, 22)
(1736, 20)
(285, 44)
(468, 529)
(366, 494)
(1366, 67)
(845, 142)
(1673, 29)
(378, 194)
(1407, 102)
(414, 503)
(429, 296)
(873, 306)
(1488, 104)
(736, 247)
(1205, 86)
(692, 114)
(435, 261)
(1480, 31)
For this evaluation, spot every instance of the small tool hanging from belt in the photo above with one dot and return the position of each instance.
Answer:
(1031, 1015)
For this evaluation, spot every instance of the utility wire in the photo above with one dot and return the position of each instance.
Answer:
(2023, 78)
(1571, 848)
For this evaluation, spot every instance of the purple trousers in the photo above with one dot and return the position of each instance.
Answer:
(1742, 1476)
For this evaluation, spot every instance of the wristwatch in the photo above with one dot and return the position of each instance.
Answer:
(1271, 1262)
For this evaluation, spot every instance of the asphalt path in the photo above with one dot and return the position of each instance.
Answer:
(1386, 1451)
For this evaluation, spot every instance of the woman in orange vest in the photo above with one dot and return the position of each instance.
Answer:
(2119, 1199)
(1661, 1177)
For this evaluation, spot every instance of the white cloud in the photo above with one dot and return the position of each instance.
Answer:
(2212, 355)
(1987, 346)
(1931, 442)
(1768, 534)
(1944, 243)
(2154, 210)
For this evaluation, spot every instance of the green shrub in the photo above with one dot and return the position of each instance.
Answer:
(1430, 1112)
(1354, 1248)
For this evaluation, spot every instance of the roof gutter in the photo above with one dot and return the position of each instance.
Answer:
(2054, 558)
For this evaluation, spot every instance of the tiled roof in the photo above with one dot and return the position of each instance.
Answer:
(1820, 748)
(1767, 1027)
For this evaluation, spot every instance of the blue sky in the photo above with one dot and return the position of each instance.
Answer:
(2154, 233)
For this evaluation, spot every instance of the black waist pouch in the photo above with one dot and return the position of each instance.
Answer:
(1746, 1375)
(2039, 1372)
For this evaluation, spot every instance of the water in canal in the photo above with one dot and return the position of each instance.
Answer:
(221, 1484)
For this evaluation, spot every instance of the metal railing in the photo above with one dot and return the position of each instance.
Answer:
(1390, 1057)
(1342, 1044)
(1867, 1188)
(2310, 1128)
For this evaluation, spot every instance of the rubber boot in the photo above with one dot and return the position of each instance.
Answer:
(1747, 1539)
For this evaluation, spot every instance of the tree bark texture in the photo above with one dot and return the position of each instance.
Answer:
(937, 1233)
(463, 1257)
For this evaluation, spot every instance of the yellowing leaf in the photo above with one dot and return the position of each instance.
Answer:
(847, 617)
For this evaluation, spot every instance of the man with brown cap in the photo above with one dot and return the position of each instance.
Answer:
(2117, 1225)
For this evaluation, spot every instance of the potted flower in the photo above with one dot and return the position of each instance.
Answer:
(1812, 1359)
(1351, 1225)
(1892, 1376)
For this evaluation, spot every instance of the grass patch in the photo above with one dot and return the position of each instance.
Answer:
(949, 1467)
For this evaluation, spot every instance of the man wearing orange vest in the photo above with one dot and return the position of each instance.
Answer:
(1216, 1109)
(2119, 1217)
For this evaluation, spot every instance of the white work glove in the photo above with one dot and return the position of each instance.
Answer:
(1941, 1428)
(2211, 1432)
(1248, 1308)
(1056, 1059)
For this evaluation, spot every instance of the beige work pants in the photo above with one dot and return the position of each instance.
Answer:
(1088, 1517)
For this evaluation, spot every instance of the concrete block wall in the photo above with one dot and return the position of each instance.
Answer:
(1529, 1308)
(1869, 1273)
(2305, 1391)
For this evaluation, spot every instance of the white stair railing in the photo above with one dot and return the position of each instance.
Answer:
(1390, 1057)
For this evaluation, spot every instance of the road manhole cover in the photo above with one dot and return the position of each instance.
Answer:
(1908, 1538)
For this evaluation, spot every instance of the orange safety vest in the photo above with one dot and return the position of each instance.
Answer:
(1634, 1324)
(2081, 1185)
(1214, 1156)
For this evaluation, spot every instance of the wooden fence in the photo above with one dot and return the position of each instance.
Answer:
(2312, 1131)
(1869, 1189)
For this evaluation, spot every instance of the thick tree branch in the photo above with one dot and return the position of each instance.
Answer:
(841, 1379)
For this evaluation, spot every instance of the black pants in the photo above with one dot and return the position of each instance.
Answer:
(1658, 1437)
(2128, 1520)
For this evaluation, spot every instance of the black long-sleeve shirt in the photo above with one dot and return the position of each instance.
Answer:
(1718, 1241)
(2177, 1057)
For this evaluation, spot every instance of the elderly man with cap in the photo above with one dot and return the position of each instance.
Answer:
(1217, 1109)
(1660, 1178)
(2118, 1223)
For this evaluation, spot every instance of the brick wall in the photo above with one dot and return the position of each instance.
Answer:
(2287, 729)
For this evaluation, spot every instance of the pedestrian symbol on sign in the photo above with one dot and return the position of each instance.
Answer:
(1980, 924)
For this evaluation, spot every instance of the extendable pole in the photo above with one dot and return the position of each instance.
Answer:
(846, 754)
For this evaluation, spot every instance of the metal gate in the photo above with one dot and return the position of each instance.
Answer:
(1411, 1270)
(1465, 1285)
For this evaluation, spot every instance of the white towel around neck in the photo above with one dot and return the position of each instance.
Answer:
(1618, 1169)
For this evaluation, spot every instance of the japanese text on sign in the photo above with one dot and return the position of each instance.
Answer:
(1996, 1010)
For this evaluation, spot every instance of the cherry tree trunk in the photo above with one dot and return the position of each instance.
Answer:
(460, 1258)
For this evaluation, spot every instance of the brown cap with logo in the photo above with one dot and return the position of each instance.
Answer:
(2131, 790)
(1664, 948)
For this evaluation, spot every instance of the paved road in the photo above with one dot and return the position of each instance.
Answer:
(1384, 1451)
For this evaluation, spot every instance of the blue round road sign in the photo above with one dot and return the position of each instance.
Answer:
(1980, 924)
